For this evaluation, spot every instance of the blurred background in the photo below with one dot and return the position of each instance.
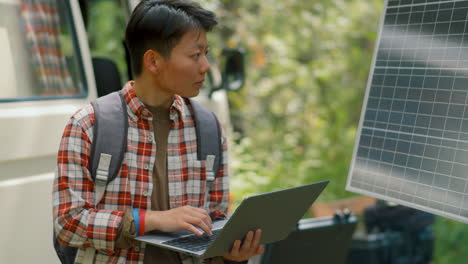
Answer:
(295, 120)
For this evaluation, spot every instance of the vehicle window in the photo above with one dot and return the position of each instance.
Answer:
(106, 33)
(38, 50)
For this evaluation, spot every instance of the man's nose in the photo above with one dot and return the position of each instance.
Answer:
(205, 65)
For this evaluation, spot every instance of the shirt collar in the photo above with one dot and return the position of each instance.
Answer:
(138, 110)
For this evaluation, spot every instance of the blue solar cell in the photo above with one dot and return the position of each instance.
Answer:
(414, 138)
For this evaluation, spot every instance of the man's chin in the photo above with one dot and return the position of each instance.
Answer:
(191, 94)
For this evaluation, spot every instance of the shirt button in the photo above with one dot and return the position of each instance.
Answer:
(146, 193)
(146, 166)
(150, 139)
(137, 248)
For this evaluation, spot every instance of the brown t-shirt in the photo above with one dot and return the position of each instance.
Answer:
(160, 196)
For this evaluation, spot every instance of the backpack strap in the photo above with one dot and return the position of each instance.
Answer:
(209, 145)
(108, 147)
(109, 140)
(207, 129)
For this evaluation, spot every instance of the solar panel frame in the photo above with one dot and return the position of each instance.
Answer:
(418, 139)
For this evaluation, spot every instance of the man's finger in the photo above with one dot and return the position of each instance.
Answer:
(235, 248)
(201, 224)
(247, 242)
(199, 217)
(256, 239)
(192, 229)
(207, 219)
(255, 242)
(202, 215)
(260, 250)
(201, 211)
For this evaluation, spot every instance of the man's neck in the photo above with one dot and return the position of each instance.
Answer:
(146, 90)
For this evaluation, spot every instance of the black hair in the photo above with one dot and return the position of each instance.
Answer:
(160, 24)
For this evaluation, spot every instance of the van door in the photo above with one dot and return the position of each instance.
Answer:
(46, 76)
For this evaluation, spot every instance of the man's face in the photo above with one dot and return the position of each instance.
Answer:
(184, 71)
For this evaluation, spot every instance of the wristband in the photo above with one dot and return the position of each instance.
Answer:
(136, 220)
(142, 215)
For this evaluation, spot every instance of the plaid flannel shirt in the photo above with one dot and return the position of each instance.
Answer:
(79, 223)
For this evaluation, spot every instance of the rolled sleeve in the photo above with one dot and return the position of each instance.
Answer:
(127, 232)
(103, 228)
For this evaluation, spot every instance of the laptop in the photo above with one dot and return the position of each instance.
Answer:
(275, 213)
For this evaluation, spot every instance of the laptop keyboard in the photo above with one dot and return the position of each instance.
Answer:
(193, 243)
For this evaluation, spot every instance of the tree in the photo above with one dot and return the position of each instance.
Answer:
(297, 117)
(308, 63)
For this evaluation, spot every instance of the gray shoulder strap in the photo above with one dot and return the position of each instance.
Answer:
(208, 137)
(108, 148)
(109, 139)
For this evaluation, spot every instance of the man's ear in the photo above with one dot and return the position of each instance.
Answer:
(152, 61)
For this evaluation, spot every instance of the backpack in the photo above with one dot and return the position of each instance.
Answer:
(109, 144)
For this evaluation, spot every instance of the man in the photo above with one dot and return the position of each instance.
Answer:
(160, 178)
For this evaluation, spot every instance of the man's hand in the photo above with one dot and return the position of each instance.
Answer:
(185, 217)
(249, 248)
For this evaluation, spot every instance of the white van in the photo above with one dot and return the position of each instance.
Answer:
(47, 73)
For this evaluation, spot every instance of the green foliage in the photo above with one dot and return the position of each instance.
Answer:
(296, 118)
(307, 71)
(106, 30)
(450, 243)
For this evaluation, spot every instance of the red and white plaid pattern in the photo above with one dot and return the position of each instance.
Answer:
(79, 223)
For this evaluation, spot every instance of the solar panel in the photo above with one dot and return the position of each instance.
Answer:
(412, 142)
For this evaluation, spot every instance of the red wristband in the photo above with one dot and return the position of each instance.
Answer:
(142, 222)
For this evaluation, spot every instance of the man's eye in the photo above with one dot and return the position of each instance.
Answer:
(197, 55)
